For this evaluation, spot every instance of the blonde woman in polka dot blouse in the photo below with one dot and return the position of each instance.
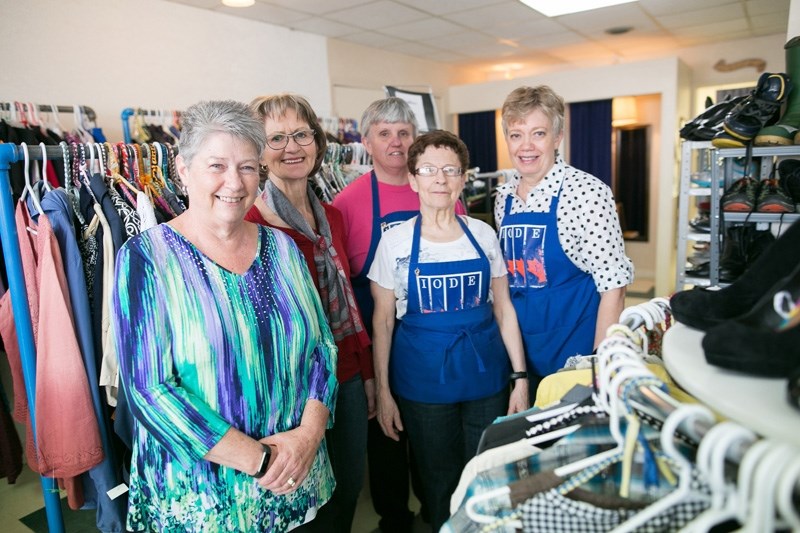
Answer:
(560, 236)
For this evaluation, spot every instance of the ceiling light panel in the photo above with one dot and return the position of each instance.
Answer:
(554, 9)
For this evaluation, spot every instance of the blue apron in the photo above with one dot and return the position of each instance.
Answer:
(556, 302)
(448, 348)
(380, 224)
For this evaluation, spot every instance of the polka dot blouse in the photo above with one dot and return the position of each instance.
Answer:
(588, 227)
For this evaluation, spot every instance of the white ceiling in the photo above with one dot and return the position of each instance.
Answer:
(506, 35)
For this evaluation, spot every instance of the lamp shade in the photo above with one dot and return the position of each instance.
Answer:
(623, 111)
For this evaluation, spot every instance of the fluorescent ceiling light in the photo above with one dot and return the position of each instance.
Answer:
(551, 8)
(238, 3)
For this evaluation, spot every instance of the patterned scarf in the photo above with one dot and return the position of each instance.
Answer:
(335, 290)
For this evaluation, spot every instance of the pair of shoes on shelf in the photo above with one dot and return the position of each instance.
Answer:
(746, 195)
(789, 172)
(709, 123)
(701, 223)
(759, 109)
(752, 325)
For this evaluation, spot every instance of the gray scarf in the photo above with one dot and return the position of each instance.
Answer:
(335, 290)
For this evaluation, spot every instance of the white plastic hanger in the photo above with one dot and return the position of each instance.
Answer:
(683, 490)
(43, 148)
(55, 123)
(761, 506)
(716, 445)
(28, 185)
(789, 480)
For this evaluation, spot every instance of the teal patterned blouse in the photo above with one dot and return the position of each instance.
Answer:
(202, 349)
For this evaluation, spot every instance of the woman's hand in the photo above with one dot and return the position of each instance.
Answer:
(389, 416)
(293, 453)
(518, 401)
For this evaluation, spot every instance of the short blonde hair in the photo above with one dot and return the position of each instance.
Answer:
(523, 100)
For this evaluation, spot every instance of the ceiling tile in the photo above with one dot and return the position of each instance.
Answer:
(768, 24)
(680, 21)
(442, 7)
(328, 28)
(761, 7)
(461, 42)
(424, 29)
(377, 15)
(668, 7)
(205, 4)
(558, 39)
(609, 17)
(581, 51)
(371, 38)
(712, 29)
(526, 28)
(495, 16)
(316, 7)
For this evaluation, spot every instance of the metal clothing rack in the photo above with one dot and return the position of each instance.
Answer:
(45, 108)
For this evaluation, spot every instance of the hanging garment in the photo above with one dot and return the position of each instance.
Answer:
(105, 476)
(447, 347)
(67, 438)
(10, 446)
(556, 302)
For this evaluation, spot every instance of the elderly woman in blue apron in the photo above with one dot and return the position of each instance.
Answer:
(560, 236)
(443, 369)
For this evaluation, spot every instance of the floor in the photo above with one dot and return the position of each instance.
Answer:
(25, 496)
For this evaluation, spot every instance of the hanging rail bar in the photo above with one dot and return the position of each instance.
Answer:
(45, 108)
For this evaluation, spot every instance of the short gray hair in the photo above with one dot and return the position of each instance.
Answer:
(203, 119)
(524, 100)
(391, 110)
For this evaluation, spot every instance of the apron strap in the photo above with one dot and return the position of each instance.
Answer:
(457, 337)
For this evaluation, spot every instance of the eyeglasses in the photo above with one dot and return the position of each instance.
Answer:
(278, 141)
(429, 171)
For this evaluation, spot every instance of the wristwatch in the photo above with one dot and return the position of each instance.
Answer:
(518, 375)
(262, 467)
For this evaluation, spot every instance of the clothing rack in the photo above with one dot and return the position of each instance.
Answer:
(128, 112)
(46, 108)
(10, 153)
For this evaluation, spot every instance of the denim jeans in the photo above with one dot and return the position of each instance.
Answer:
(444, 437)
(347, 448)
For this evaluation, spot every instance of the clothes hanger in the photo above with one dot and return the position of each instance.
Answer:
(28, 185)
(785, 488)
(47, 185)
(55, 124)
(761, 506)
(683, 491)
(717, 444)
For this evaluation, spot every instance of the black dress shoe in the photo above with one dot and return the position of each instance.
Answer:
(766, 340)
(702, 309)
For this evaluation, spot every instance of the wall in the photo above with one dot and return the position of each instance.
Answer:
(358, 74)
(153, 54)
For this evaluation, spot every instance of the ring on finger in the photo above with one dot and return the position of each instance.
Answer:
(291, 482)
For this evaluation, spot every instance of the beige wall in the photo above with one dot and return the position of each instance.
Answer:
(153, 54)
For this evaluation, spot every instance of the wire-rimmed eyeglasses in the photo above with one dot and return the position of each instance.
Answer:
(278, 141)
(429, 171)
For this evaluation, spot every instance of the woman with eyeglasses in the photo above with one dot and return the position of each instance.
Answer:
(443, 369)
(295, 149)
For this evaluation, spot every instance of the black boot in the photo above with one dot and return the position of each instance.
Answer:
(703, 309)
(766, 340)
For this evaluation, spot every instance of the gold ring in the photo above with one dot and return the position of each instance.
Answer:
(291, 482)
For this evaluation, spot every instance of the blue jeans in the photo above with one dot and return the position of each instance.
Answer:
(444, 437)
(347, 447)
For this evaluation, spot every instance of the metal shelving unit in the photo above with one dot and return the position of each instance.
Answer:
(696, 156)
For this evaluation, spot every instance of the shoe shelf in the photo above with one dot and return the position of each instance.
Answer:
(697, 158)
(752, 401)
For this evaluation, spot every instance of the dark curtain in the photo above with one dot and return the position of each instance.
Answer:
(632, 179)
(590, 138)
(478, 133)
